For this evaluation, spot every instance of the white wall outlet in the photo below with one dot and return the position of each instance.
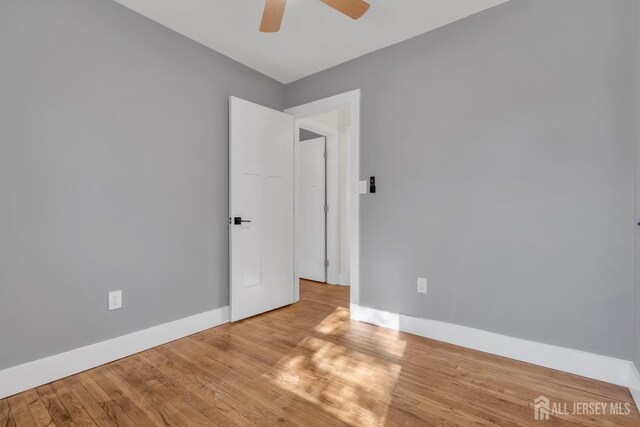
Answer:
(422, 285)
(363, 186)
(115, 300)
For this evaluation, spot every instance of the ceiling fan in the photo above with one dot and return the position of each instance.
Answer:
(274, 11)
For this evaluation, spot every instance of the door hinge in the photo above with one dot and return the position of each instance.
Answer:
(326, 208)
(326, 154)
(326, 263)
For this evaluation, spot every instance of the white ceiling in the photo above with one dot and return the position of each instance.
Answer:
(313, 37)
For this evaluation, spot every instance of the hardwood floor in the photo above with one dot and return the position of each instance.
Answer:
(308, 365)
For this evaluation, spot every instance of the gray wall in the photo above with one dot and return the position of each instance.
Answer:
(306, 135)
(113, 173)
(637, 193)
(503, 149)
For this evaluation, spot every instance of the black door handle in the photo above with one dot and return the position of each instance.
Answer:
(238, 220)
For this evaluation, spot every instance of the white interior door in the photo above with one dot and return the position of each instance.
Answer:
(261, 191)
(312, 219)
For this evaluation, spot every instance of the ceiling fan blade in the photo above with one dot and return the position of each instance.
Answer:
(272, 16)
(354, 9)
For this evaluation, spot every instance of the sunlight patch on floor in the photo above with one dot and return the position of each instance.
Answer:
(339, 323)
(353, 386)
(335, 322)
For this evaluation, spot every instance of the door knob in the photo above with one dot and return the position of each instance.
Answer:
(238, 220)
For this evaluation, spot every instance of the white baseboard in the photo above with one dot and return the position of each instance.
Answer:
(617, 371)
(634, 384)
(603, 368)
(24, 377)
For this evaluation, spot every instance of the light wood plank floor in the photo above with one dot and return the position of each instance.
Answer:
(308, 365)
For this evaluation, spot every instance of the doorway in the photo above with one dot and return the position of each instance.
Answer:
(336, 118)
(322, 203)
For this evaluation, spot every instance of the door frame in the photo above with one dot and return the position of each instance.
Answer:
(352, 100)
(332, 192)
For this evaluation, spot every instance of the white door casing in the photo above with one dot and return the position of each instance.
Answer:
(312, 193)
(261, 190)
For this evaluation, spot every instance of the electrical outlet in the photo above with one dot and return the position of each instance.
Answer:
(422, 285)
(115, 300)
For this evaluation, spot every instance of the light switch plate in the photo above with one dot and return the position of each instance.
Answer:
(362, 187)
(422, 285)
(115, 300)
